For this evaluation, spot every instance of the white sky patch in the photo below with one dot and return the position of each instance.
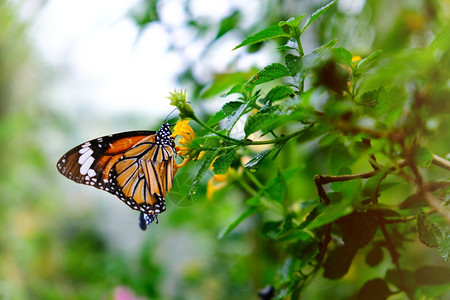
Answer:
(106, 68)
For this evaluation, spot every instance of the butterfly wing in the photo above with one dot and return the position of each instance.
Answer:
(143, 175)
(90, 163)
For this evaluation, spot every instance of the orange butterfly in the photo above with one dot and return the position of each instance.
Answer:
(136, 166)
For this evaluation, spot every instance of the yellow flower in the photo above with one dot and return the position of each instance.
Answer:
(356, 58)
(186, 134)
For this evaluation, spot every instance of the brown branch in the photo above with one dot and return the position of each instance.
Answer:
(441, 162)
(324, 179)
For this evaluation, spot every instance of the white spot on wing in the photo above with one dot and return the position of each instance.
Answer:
(86, 165)
(91, 173)
(85, 156)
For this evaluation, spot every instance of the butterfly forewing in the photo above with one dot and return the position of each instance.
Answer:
(91, 162)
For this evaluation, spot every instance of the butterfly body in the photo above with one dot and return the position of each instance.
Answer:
(135, 166)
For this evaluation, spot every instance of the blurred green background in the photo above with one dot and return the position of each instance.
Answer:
(60, 240)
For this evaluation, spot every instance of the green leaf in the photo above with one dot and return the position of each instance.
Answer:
(223, 162)
(374, 289)
(366, 63)
(318, 56)
(263, 35)
(292, 22)
(444, 248)
(264, 120)
(338, 262)
(423, 157)
(272, 229)
(231, 120)
(338, 158)
(269, 73)
(207, 160)
(317, 14)
(429, 234)
(228, 23)
(304, 249)
(342, 56)
(219, 116)
(257, 160)
(230, 107)
(236, 222)
(236, 89)
(278, 93)
(293, 63)
(432, 275)
(276, 188)
(330, 214)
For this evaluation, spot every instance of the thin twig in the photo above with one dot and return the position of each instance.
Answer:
(441, 162)
(324, 179)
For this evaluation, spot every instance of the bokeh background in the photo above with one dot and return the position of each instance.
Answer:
(73, 70)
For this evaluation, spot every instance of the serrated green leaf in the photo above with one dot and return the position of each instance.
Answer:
(317, 14)
(257, 160)
(374, 289)
(264, 120)
(429, 234)
(370, 98)
(279, 92)
(423, 157)
(342, 56)
(269, 73)
(223, 162)
(292, 22)
(444, 248)
(263, 35)
(293, 63)
(238, 221)
(231, 107)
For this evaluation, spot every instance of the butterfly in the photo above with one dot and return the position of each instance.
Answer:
(136, 166)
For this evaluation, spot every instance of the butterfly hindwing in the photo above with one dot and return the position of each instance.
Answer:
(140, 175)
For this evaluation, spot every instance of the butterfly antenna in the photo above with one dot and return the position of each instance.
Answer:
(165, 120)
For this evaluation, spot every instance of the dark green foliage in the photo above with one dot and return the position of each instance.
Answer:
(357, 107)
